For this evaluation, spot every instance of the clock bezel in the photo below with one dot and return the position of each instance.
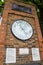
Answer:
(15, 35)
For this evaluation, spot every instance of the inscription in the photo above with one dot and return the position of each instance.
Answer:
(10, 55)
(35, 54)
(21, 8)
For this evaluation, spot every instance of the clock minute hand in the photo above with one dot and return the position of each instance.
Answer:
(23, 29)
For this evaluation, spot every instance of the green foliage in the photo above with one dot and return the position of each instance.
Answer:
(37, 2)
(1, 6)
(2, 3)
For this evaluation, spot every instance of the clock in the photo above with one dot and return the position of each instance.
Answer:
(22, 29)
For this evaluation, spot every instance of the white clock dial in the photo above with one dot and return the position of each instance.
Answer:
(22, 30)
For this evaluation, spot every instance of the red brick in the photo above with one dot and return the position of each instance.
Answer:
(41, 49)
(41, 55)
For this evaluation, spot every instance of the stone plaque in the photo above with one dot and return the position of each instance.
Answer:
(10, 55)
(23, 51)
(35, 54)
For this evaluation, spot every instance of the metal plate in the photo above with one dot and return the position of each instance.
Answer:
(10, 55)
(23, 51)
(35, 54)
(21, 8)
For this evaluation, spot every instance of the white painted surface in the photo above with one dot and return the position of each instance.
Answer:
(0, 20)
(10, 55)
(35, 54)
(23, 51)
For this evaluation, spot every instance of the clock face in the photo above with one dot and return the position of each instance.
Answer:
(22, 30)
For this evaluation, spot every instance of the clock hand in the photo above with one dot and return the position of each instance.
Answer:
(23, 29)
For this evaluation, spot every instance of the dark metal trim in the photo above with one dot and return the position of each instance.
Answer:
(21, 8)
